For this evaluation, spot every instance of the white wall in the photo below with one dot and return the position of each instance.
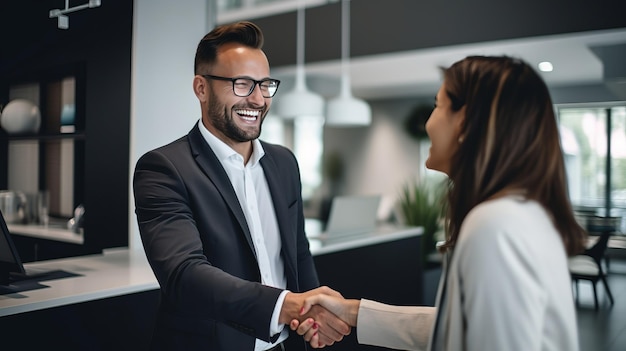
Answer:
(163, 106)
(380, 158)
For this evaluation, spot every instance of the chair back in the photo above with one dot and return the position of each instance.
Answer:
(599, 248)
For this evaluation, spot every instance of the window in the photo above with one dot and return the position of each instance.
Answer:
(594, 143)
(308, 140)
(304, 137)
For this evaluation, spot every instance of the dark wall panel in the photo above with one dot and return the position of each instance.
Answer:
(99, 41)
(398, 25)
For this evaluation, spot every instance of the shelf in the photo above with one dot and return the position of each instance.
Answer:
(45, 136)
(47, 232)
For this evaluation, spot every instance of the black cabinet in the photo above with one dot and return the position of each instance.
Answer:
(389, 272)
(96, 51)
(51, 160)
(80, 160)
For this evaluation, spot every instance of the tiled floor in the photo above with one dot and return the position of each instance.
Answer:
(604, 329)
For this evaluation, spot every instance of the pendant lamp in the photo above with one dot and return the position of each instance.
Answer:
(345, 110)
(299, 101)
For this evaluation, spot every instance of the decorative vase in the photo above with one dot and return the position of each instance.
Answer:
(20, 116)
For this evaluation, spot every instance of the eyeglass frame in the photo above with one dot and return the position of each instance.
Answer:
(256, 82)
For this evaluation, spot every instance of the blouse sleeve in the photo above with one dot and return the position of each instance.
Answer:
(395, 327)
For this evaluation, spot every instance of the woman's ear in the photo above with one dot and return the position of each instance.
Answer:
(459, 122)
(200, 88)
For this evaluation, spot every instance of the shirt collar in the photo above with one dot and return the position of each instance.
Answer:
(224, 152)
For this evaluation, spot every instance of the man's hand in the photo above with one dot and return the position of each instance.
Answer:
(328, 327)
(346, 309)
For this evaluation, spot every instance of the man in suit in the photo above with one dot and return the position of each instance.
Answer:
(220, 214)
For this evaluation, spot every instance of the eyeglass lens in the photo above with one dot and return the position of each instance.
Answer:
(245, 86)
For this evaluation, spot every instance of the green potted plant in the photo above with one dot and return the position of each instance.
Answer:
(415, 121)
(421, 204)
(332, 168)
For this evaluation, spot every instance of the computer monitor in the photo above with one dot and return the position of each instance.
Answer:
(354, 214)
(10, 262)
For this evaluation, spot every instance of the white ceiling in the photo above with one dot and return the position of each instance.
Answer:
(416, 73)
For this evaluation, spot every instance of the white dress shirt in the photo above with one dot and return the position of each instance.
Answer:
(255, 199)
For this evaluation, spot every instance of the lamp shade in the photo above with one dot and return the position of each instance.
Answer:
(346, 110)
(299, 101)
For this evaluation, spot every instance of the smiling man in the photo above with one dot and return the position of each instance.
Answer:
(220, 214)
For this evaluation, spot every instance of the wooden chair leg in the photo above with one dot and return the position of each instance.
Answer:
(595, 295)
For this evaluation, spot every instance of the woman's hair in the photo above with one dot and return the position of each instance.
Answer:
(510, 139)
(246, 33)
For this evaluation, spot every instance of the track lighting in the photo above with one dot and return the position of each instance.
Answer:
(64, 21)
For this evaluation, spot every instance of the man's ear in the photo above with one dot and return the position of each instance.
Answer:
(200, 88)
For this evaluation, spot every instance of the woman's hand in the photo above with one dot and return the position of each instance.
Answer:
(329, 326)
(309, 331)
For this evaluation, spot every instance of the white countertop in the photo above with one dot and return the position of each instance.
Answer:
(324, 243)
(47, 232)
(115, 272)
(122, 271)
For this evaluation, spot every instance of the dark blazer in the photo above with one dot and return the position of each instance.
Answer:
(199, 246)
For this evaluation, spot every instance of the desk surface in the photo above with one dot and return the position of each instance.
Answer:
(323, 243)
(113, 273)
(122, 271)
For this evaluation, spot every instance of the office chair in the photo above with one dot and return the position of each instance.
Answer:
(588, 266)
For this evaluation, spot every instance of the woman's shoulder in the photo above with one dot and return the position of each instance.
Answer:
(506, 215)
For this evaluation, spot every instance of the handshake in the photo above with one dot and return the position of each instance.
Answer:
(322, 316)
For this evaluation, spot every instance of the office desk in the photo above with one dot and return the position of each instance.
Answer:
(112, 303)
(384, 265)
(116, 272)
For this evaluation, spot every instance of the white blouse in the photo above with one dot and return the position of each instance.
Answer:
(508, 288)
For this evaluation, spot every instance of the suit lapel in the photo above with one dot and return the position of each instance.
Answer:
(211, 166)
(277, 191)
(439, 331)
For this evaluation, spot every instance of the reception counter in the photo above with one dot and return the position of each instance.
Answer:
(110, 300)
(116, 272)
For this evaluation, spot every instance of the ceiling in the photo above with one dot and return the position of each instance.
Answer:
(416, 73)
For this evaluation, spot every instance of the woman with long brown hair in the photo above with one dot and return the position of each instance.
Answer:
(509, 223)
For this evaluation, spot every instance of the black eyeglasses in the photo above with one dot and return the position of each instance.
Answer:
(245, 86)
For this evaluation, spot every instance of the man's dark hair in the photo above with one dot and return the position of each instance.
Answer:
(244, 32)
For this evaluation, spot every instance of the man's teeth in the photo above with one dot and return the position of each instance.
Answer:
(249, 115)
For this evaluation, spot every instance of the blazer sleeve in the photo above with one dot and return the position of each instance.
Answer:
(395, 327)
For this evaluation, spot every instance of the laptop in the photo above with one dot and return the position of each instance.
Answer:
(353, 214)
(11, 266)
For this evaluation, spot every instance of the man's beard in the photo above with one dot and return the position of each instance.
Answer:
(224, 122)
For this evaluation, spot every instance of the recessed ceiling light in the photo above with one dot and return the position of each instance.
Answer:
(545, 66)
